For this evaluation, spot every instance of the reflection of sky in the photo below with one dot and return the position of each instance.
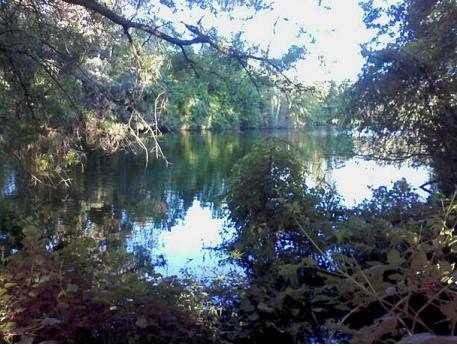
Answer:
(184, 242)
(353, 179)
(183, 246)
(9, 186)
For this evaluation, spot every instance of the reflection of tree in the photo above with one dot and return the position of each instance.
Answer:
(320, 150)
(115, 193)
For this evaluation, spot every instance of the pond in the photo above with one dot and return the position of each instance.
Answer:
(174, 214)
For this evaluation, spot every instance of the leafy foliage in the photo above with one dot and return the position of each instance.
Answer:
(221, 96)
(406, 94)
(83, 294)
(265, 215)
(406, 286)
(65, 89)
(376, 273)
(323, 104)
(75, 79)
(267, 197)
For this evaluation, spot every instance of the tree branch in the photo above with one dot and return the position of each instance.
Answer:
(200, 37)
(127, 24)
(190, 61)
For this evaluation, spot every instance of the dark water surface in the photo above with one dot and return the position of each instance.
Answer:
(171, 214)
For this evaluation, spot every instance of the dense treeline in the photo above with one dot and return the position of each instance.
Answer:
(226, 96)
(73, 81)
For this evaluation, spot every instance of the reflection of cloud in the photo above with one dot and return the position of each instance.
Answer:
(182, 246)
(197, 228)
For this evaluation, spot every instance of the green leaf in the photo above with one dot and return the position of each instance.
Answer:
(247, 306)
(7, 327)
(289, 272)
(340, 236)
(375, 331)
(308, 262)
(265, 308)
(450, 311)
(63, 305)
(321, 298)
(31, 231)
(253, 317)
(419, 262)
(49, 321)
(72, 288)
(341, 307)
(33, 294)
(49, 342)
(10, 284)
(394, 258)
(376, 274)
(26, 339)
(445, 267)
(395, 277)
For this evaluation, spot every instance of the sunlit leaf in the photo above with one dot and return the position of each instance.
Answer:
(7, 327)
(394, 258)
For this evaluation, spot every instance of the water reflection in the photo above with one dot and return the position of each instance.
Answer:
(354, 178)
(8, 183)
(166, 214)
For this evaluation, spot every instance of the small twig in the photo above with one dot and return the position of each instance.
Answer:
(427, 304)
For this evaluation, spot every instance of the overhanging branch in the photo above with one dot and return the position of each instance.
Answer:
(200, 37)
(126, 24)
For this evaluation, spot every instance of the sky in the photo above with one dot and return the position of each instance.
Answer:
(338, 30)
(334, 32)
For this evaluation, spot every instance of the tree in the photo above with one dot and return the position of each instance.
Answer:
(78, 74)
(66, 87)
(267, 193)
(406, 94)
(212, 93)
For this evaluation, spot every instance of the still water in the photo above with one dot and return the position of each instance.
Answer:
(173, 214)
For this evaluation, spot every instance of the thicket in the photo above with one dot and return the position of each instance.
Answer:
(379, 272)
